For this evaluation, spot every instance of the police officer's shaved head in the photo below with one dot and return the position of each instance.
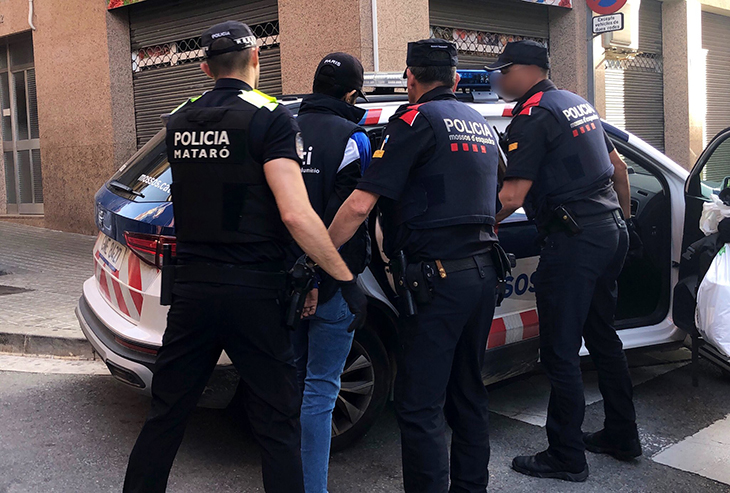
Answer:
(230, 48)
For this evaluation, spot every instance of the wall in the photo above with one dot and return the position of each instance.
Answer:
(684, 81)
(569, 47)
(310, 30)
(85, 109)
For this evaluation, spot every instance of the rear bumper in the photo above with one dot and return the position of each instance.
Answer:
(126, 365)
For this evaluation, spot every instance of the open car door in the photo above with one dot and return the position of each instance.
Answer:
(706, 178)
(710, 174)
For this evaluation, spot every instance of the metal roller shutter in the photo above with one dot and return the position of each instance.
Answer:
(495, 16)
(481, 28)
(716, 40)
(635, 88)
(166, 52)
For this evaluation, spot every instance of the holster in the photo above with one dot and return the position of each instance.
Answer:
(168, 275)
(419, 278)
(503, 263)
(398, 266)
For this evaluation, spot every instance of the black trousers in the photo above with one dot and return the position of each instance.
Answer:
(576, 295)
(203, 320)
(440, 381)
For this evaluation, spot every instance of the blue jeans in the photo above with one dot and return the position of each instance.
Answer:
(321, 345)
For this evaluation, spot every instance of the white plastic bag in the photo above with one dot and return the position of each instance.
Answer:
(712, 213)
(712, 316)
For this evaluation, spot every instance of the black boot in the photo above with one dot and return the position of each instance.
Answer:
(623, 449)
(545, 465)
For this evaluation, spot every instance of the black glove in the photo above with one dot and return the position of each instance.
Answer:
(356, 302)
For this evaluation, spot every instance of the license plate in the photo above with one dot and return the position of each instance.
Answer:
(111, 252)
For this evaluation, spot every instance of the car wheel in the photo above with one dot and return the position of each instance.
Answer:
(364, 390)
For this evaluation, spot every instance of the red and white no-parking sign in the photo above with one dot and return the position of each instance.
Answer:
(605, 6)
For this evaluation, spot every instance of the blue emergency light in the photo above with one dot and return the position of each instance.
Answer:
(476, 80)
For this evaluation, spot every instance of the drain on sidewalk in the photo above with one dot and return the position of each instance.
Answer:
(4, 290)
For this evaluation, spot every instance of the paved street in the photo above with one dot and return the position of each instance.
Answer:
(41, 273)
(72, 433)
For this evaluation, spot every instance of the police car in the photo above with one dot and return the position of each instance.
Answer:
(121, 316)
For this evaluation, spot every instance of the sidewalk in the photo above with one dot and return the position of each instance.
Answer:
(41, 273)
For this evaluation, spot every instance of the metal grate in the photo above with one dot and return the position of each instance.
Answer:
(479, 43)
(190, 51)
(641, 62)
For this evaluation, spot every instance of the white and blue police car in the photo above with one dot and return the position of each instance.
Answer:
(121, 316)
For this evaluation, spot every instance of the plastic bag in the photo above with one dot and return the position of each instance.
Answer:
(712, 213)
(712, 315)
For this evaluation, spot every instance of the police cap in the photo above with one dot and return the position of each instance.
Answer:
(239, 35)
(432, 53)
(522, 53)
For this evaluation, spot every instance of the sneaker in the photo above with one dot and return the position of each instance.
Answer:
(544, 465)
(599, 443)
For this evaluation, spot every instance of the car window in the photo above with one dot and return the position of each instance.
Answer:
(148, 173)
(716, 173)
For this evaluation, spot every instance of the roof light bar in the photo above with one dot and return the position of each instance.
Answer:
(474, 80)
(384, 79)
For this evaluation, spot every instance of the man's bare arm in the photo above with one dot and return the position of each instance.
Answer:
(351, 215)
(621, 182)
(285, 180)
(512, 196)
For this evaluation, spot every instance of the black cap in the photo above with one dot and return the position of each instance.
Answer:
(432, 53)
(343, 70)
(240, 35)
(522, 53)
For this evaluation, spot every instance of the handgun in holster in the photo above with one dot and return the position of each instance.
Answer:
(503, 263)
(168, 275)
(399, 266)
(300, 283)
(566, 220)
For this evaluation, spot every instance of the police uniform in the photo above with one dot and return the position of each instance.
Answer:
(229, 277)
(436, 174)
(556, 140)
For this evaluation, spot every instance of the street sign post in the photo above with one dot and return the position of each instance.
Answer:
(605, 6)
(608, 23)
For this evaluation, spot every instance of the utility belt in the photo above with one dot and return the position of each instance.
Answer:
(562, 220)
(415, 281)
(291, 287)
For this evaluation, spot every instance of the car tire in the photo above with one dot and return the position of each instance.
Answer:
(365, 389)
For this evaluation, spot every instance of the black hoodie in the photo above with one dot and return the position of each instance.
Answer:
(335, 147)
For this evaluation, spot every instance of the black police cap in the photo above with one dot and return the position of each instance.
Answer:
(522, 53)
(432, 53)
(342, 69)
(240, 35)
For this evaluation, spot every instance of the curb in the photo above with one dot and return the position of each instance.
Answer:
(44, 345)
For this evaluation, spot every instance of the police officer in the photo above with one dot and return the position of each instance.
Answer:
(238, 194)
(435, 180)
(336, 150)
(573, 183)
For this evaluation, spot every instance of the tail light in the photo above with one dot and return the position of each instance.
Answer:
(149, 247)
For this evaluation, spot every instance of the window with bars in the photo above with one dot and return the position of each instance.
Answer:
(190, 50)
(478, 47)
(19, 128)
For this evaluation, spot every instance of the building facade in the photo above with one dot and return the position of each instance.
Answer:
(83, 82)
